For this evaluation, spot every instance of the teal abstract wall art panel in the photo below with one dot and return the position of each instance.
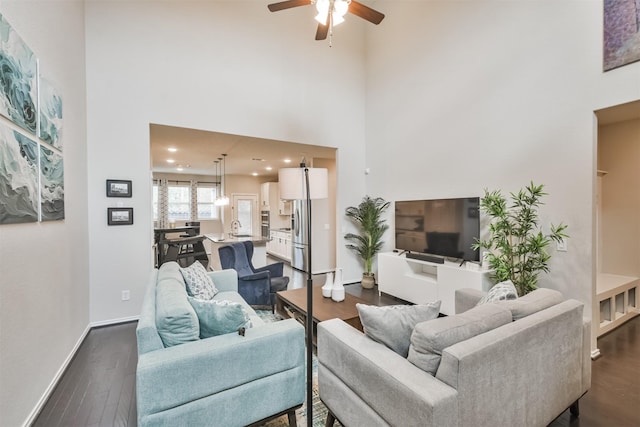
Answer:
(50, 114)
(51, 185)
(18, 177)
(18, 78)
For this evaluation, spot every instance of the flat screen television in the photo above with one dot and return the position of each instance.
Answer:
(443, 227)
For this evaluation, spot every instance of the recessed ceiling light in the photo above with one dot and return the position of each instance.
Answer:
(170, 161)
(254, 173)
(269, 168)
(287, 160)
(172, 149)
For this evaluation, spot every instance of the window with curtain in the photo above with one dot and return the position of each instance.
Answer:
(179, 202)
(205, 201)
(155, 201)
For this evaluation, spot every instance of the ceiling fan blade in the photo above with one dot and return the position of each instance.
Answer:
(274, 7)
(365, 12)
(321, 32)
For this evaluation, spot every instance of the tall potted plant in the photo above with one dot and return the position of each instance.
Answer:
(368, 217)
(516, 247)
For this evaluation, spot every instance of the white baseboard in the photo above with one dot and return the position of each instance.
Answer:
(595, 354)
(114, 321)
(47, 393)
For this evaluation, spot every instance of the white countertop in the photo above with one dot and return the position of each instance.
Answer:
(221, 238)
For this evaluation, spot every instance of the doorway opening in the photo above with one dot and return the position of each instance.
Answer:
(194, 156)
(617, 242)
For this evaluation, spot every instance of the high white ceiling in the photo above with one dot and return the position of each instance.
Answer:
(197, 151)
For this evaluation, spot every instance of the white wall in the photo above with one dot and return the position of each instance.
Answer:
(468, 95)
(224, 66)
(44, 293)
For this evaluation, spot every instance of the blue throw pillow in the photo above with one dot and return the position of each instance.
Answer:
(219, 317)
(176, 320)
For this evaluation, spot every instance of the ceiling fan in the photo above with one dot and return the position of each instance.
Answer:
(331, 12)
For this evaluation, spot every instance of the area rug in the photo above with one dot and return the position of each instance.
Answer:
(319, 410)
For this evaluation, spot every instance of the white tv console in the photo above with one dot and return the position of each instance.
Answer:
(420, 282)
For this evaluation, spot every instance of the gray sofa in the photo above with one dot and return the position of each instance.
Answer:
(225, 380)
(523, 373)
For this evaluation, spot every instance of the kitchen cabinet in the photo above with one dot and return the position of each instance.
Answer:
(284, 207)
(270, 199)
(267, 189)
(279, 244)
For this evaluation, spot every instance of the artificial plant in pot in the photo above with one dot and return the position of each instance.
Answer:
(516, 247)
(368, 217)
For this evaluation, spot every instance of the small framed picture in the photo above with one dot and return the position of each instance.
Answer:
(118, 188)
(119, 216)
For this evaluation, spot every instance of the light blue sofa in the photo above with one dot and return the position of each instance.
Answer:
(226, 380)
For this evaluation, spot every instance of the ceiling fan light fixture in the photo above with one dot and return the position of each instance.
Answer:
(322, 6)
(336, 8)
(340, 8)
(321, 18)
(331, 13)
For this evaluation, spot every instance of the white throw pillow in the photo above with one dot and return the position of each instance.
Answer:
(500, 292)
(199, 284)
(392, 325)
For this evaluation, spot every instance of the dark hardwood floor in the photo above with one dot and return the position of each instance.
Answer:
(614, 398)
(98, 388)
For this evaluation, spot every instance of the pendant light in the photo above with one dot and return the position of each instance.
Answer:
(217, 181)
(223, 200)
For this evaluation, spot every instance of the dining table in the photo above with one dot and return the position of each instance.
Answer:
(168, 245)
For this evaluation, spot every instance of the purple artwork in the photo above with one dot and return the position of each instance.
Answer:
(621, 33)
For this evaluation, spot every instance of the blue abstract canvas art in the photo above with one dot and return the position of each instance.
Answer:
(51, 185)
(18, 177)
(18, 79)
(50, 114)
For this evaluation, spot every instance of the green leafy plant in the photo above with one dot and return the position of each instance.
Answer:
(368, 217)
(516, 248)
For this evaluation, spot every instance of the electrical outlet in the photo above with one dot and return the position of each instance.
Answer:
(561, 246)
(125, 295)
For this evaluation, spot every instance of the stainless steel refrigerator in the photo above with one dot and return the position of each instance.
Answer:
(299, 235)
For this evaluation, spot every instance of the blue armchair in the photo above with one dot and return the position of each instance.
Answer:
(258, 286)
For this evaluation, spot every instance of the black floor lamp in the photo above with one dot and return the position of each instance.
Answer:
(305, 183)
